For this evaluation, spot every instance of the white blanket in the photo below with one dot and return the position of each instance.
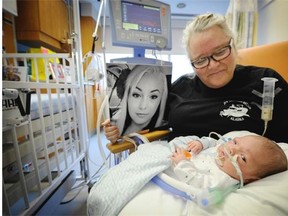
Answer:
(122, 182)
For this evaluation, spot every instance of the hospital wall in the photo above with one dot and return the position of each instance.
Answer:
(272, 26)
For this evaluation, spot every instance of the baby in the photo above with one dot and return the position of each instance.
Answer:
(246, 159)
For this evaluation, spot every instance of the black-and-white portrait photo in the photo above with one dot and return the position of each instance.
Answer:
(137, 95)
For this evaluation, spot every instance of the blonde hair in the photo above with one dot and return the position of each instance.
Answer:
(132, 81)
(202, 23)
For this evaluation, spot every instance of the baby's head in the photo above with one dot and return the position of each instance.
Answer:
(256, 156)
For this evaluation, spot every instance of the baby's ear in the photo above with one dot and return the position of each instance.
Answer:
(251, 179)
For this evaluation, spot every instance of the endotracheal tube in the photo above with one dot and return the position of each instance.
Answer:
(267, 100)
(212, 196)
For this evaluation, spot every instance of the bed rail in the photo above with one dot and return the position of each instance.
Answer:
(39, 150)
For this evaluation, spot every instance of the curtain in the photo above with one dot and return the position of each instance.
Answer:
(242, 17)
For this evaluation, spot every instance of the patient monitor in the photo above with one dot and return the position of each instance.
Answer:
(140, 23)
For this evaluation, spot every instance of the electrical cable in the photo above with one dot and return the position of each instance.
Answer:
(104, 105)
(90, 159)
(80, 187)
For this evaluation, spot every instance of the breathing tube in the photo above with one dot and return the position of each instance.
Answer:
(203, 197)
(234, 162)
(233, 158)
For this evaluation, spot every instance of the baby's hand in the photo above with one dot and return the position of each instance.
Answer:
(178, 155)
(195, 146)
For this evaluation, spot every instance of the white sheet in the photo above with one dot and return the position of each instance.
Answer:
(34, 105)
(267, 196)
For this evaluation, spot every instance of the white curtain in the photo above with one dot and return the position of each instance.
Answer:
(242, 16)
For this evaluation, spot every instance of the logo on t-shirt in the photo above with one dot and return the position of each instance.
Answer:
(235, 110)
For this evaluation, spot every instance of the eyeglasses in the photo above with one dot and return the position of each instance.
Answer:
(217, 56)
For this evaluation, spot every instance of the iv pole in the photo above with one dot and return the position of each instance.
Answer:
(104, 109)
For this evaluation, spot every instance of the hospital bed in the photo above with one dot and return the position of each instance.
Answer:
(267, 196)
(42, 130)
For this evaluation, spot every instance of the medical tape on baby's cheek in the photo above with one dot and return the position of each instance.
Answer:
(233, 159)
(234, 162)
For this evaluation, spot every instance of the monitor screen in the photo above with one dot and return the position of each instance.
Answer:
(140, 23)
(150, 22)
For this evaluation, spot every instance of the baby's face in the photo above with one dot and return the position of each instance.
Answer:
(247, 154)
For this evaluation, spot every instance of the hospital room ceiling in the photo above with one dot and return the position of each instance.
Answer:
(183, 9)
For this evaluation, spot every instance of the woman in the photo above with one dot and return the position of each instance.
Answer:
(220, 96)
(143, 101)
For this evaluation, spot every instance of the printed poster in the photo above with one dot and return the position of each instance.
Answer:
(137, 96)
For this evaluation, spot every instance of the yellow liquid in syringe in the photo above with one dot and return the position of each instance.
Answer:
(266, 113)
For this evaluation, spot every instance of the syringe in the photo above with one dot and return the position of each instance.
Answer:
(268, 99)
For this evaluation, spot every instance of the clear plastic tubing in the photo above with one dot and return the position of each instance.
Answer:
(268, 98)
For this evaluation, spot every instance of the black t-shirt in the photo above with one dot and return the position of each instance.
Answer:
(195, 109)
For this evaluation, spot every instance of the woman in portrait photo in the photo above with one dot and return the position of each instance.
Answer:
(143, 95)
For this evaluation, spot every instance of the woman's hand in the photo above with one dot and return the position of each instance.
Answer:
(194, 146)
(111, 131)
